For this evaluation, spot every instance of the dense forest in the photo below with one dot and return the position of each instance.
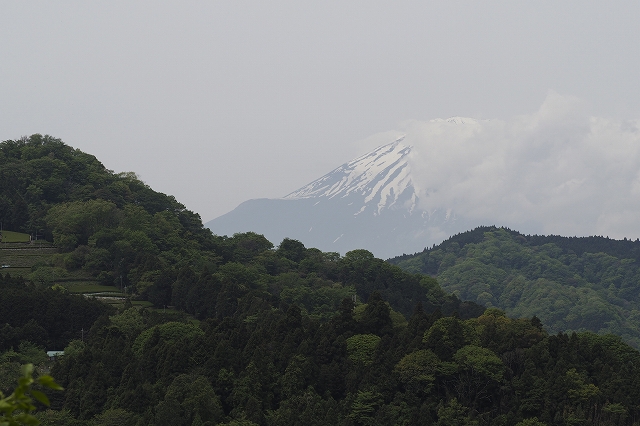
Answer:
(364, 366)
(237, 331)
(579, 283)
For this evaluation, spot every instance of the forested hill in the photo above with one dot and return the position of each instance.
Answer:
(627, 249)
(236, 331)
(41, 172)
(579, 283)
(115, 229)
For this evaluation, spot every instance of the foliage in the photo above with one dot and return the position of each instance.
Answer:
(114, 417)
(187, 398)
(43, 316)
(418, 369)
(276, 368)
(56, 418)
(130, 322)
(587, 283)
(16, 408)
(170, 332)
(361, 348)
(255, 334)
(530, 422)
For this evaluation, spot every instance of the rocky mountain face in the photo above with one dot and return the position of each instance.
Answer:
(369, 203)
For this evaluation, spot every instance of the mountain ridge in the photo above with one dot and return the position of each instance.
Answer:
(381, 174)
(570, 283)
(370, 202)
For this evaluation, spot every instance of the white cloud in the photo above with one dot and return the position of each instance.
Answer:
(558, 170)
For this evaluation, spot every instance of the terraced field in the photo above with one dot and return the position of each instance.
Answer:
(23, 258)
(14, 237)
(19, 258)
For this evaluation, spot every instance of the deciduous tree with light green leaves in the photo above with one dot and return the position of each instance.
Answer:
(16, 408)
(361, 348)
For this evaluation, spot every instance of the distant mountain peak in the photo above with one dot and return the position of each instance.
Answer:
(380, 178)
(369, 202)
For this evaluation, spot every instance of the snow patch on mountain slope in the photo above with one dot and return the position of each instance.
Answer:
(382, 178)
(371, 202)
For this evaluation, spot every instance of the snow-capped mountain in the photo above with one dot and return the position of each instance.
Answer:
(381, 179)
(369, 202)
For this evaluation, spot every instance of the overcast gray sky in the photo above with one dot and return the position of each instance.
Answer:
(217, 102)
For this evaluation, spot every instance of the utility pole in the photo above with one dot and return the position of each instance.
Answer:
(120, 269)
(36, 236)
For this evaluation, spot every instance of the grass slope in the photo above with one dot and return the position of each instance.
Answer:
(14, 237)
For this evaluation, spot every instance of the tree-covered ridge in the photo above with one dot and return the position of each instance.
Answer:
(102, 220)
(114, 228)
(282, 367)
(46, 317)
(37, 172)
(578, 284)
(628, 249)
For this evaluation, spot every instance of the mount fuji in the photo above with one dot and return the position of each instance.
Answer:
(369, 203)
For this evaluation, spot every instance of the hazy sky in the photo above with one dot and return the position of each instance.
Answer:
(217, 102)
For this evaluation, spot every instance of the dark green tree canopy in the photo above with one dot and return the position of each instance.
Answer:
(235, 331)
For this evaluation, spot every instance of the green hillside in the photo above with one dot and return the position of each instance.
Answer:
(590, 283)
(112, 229)
(234, 330)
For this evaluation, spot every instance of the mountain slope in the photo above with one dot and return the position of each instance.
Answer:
(381, 179)
(586, 283)
(114, 229)
(369, 202)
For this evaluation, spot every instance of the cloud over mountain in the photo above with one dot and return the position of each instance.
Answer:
(557, 170)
